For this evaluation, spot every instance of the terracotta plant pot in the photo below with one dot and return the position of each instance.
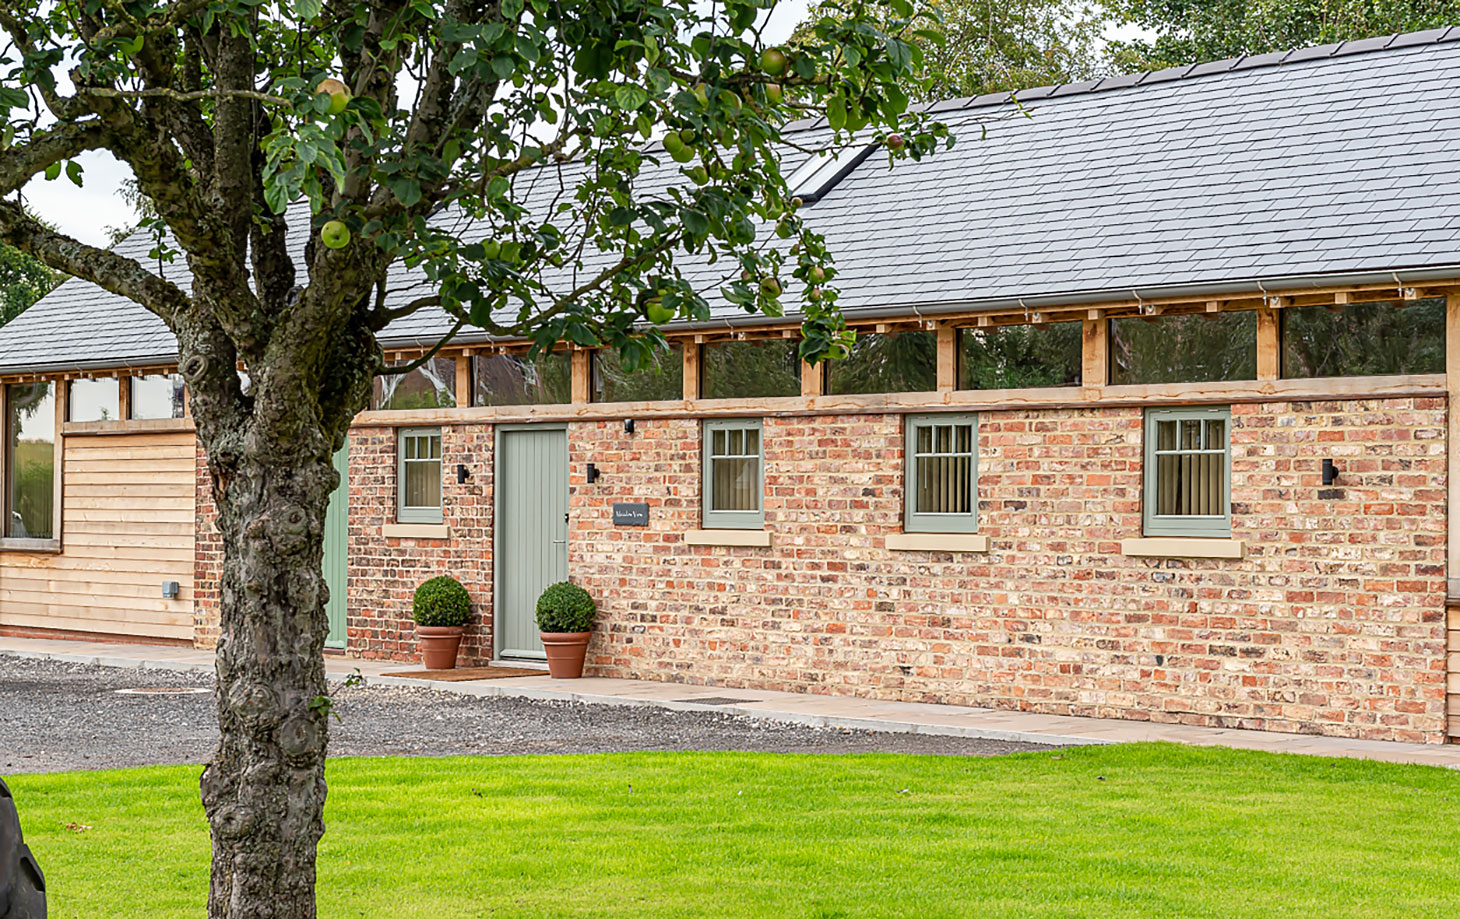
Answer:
(439, 644)
(565, 653)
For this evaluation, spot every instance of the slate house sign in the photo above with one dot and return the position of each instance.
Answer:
(630, 514)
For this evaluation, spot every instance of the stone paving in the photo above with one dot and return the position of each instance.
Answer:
(816, 710)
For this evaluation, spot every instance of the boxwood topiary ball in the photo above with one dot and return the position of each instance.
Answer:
(565, 607)
(441, 601)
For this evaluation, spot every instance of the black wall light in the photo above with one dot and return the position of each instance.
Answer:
(462, 473)
(628, 425)
(1330, 472)
(593, 474)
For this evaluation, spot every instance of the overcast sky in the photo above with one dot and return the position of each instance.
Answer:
(87, 212)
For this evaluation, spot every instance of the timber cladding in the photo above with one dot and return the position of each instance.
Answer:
(127, 526)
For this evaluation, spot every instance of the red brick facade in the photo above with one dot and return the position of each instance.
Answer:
(1333, 622)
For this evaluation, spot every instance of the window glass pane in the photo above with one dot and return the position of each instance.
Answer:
(887, 362)
(513, 379)
(1184, 349)
(943, 467)
(94, 400)
(747, 369)
(160, 395)
(1190, 464)
(661, 379)
(1364, 339)
(1190, 484)
(1016, 356)
(431, 385)
(423, 484)
(30, 459)
(734, 484)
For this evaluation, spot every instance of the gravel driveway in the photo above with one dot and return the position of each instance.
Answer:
(57, 716)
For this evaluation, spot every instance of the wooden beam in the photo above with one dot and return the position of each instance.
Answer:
(1095, 364)
(947, 358)
(463, 380)
(1055, 397)
(1452, 446)
(691, 352)
(582, 376)
(58, 444)
(1269, 348)
(813, 378)
(124, 397)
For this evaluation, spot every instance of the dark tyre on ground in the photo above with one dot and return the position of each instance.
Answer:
(22, 886)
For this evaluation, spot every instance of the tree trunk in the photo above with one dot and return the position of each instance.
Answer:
(264, 791)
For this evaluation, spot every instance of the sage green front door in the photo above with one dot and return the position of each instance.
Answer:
(336, 538)
(531, 544)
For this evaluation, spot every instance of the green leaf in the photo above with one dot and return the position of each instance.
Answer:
(12, 98)
(73, 172)
(407, 189)
(52, 171)
(498, 187)
(695, 222)
(836, 113)
(308, 9)
(630, 98)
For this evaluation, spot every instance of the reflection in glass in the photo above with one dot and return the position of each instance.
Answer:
(431, 385)
(93, 400)
(1193, 348)
(662, 379)
(159, 395)
(1017, 356)
(886, 362)
(514, 379)
(1364, 339)
(30, 459)
(750, 369)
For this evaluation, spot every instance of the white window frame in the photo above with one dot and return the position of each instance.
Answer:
(922, 522)
(732, 520)
(1214, 526)
(403, 513)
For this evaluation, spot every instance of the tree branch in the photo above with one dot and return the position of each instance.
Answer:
(116, 273)
(19, 164)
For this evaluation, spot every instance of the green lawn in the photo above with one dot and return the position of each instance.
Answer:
(1139, 831)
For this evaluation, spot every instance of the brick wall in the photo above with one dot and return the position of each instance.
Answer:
(1333, 623)
(384, 572)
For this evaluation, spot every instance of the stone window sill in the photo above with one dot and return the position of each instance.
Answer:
(937, 542)
(52, 546)
(416, 531)
(760, 539)
(1183, 547)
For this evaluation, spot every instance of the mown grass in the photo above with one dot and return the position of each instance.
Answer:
(1140, 831)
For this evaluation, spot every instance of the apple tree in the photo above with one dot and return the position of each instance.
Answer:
(371, 120)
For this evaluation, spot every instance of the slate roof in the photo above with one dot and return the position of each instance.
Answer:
(1324, 165)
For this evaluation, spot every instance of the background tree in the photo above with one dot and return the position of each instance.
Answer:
(494, 149)
(1193, 31)
(991, 46)
(24, 279)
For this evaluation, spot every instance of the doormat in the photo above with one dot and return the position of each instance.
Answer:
(463, 674)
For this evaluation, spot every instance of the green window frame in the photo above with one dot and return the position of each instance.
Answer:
(1188, 472)
(941, 475)
(418, 452)
(733, 478)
